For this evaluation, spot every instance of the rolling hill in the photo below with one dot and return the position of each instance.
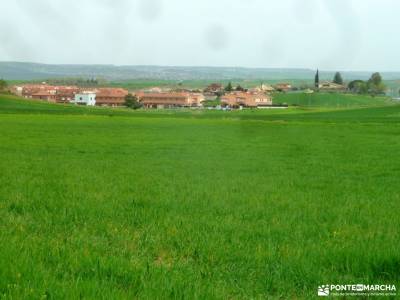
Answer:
(36, 71)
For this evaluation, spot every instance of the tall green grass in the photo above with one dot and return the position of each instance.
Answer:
(251, 204)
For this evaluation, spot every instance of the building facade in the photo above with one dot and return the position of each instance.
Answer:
(110, 96)
(283, 87)
(245, 99)
(43, 91)
(85, 98)
(214, 88)
(169, 100)
(66, 94)
(330, 86)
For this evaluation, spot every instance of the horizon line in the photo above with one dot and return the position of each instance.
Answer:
(196, 66)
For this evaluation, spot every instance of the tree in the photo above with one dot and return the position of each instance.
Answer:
(131, 101)
(354, 86)
(338, 78)
(316, 80)
(358, 86)
(304, 86)
(239, 88)
(229, 87)
(3, 85)
(219, 93)
(375, 84)
(375, 79)
(362, 87)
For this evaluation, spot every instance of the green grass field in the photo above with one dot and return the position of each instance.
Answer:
(115, 204)
(329, 100)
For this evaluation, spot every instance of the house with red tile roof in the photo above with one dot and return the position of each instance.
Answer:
(65, 94)
(168, 100)
(283, 87)
(110, 96)
(62, 94)
(246, 99)
(27, 90)
(48, 95)
(214, 88)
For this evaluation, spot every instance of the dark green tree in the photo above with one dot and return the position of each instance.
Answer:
(132, 101)
(358, 86)
(354, 85)
(338, 78)
(229, 87)
(375, 79)
(239, 88)
(362, 87)
(376, 85)
(316, 80)
(3, 85)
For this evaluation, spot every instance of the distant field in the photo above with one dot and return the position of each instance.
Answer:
(138, 84)
(329, 99)
(98, 203)
(201, 84)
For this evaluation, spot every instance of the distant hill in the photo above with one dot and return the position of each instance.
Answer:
(35, 71)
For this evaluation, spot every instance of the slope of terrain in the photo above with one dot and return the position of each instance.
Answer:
(110, 204)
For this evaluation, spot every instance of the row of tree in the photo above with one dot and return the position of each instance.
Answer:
(337, 78)
(374, 85)
(66, 81)
(230, 88)
(84, 82)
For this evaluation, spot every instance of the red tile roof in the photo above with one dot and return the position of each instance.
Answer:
(163, 95)
(43, 93)
(111, 92)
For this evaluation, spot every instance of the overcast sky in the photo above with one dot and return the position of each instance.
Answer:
(328, 34)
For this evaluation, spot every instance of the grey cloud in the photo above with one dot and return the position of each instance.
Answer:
(150, 10)
(216, 37)
(305, 10)
(349, 31)
(256, 33)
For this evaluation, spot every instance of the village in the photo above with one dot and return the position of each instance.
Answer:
(229, 97)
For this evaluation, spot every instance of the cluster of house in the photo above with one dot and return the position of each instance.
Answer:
(259, 97)
(152, 98)
(72, 94)
(323, 86)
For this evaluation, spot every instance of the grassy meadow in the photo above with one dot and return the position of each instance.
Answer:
(98, 203)
(320, 100)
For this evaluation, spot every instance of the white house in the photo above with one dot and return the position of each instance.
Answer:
(85, 98)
